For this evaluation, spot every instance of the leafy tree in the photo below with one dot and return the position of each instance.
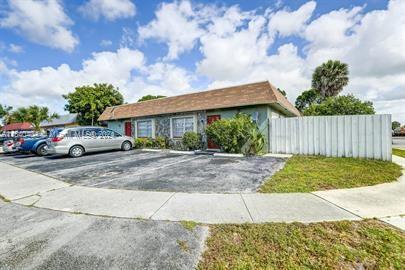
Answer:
(90, 101)
(341, 105)
(395, 125)
(33, 114)
(150, 97)
(5, 113)
(330, 78)
(307, 98)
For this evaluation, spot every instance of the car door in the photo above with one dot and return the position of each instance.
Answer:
(118, 139)
(89, 139)
(105, 139)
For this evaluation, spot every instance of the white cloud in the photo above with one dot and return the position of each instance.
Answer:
(47, 84)
(227, 21)
(370, 43)
(42, 22)
(128, 38)
(124, 68)
(232, 56)
(15, 48)
(105, 43)
(238, 46)
(160, 79)
(176, 25)
(169, 77)
(110, 9)
(331, 29)
(285, 69)
(288, 23)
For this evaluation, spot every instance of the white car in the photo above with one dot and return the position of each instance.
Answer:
(79, 140)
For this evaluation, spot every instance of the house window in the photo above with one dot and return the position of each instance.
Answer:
(181, 125)
(144, 129)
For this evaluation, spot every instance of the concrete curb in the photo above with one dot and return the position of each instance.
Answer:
(227, 155)
(278, 155)
(168, 151)
(31, 189)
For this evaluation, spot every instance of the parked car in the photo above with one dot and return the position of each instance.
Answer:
(36, 145)
(79, 140)
(9, 146)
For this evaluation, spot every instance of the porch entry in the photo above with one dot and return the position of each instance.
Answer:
(211, 119)
(128, 129)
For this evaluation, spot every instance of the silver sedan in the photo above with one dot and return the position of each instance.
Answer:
(79, 140)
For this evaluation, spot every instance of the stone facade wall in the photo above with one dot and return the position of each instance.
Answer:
(201, 124)
(162, 126)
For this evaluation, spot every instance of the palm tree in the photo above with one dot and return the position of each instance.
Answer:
(5, 113)
(19, 115)
(330, 78)
(38, 114)
(33, 114)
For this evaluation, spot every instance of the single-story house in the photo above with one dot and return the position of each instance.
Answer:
(64, 121)
(15, 129)
(173, 116)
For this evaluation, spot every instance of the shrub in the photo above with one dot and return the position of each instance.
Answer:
(149, 143)
(143, 143)
(237, 135)
(254, 144)
(139, 143)
(176, 145)
(161, 142)
(191, 140)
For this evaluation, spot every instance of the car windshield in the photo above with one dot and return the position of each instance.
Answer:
(54, 132)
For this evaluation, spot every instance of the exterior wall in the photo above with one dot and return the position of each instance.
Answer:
(117, 126)
(162, 123)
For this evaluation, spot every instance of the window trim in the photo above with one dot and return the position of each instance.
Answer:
(183, 116)
(143, 120)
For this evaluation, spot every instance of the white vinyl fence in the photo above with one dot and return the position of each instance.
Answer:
(359, 136)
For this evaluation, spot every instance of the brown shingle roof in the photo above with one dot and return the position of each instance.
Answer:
(18, 126)
(235, 96)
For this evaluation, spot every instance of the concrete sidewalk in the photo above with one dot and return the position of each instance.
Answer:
(382, 200)
(28, 188)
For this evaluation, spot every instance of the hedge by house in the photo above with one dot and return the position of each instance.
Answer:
(237, 135)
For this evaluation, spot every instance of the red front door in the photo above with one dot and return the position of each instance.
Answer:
(128, 129)
(211, 119)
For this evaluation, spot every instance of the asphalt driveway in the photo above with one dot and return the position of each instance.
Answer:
(33, 238)
(159, 171)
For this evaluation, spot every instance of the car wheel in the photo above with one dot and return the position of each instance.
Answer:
(126, 146)
(76, 151)
(42, 150)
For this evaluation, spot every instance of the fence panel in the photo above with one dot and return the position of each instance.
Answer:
(359, 136)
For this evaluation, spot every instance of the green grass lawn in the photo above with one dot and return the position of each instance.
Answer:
(311, 173)
(365, 244)
(398, 152)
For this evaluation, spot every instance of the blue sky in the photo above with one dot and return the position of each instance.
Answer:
(49, 47)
